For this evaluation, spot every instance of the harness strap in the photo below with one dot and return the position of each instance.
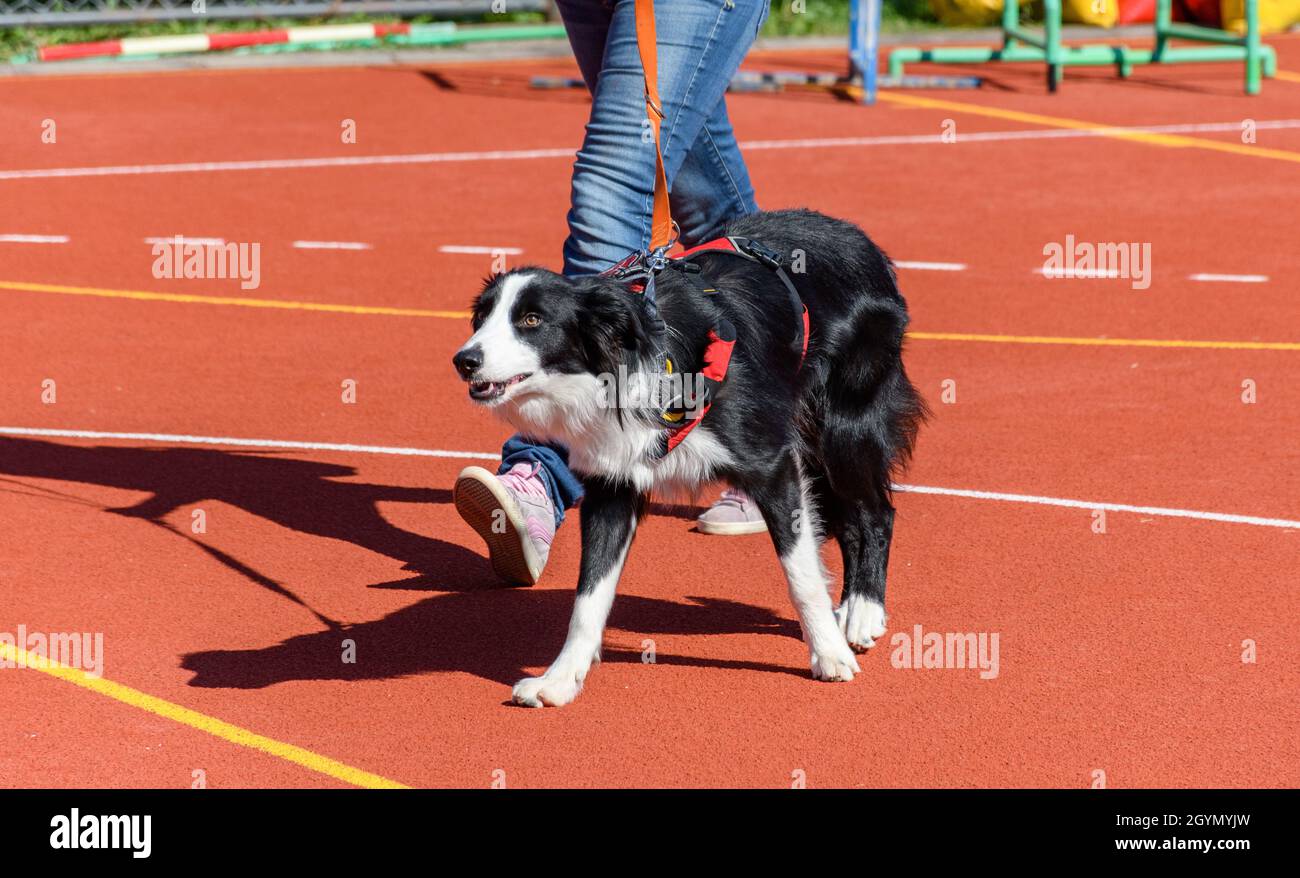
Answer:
(638, 273)
(722, 338)
(717, 357)
(766, 256)
(661, 223)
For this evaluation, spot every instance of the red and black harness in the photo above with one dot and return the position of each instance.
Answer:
(638, 272)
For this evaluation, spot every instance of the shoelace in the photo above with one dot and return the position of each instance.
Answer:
(522, 478)
(527, 482)
(733, 497)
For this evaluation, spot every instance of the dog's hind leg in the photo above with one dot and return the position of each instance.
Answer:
(864, 544)
(783, 499)
(609, 519)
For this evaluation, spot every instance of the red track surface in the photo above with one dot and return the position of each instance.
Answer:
(1118, 651)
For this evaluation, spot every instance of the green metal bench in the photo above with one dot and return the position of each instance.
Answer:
(1020, 44)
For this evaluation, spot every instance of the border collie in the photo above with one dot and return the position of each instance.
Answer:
(814, 443)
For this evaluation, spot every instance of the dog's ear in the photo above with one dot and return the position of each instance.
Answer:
(476, 307)
(488, 282)
(610, 328)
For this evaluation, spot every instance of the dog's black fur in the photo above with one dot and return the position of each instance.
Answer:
(845, 419)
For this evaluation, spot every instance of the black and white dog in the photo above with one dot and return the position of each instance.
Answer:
(813, 443)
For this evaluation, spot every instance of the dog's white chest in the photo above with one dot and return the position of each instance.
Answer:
(622, 449)
(630, 454)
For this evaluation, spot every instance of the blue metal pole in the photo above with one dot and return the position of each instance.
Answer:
(864, 44)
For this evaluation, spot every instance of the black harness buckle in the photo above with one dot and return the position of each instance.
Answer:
(637, 271)
(761, 253)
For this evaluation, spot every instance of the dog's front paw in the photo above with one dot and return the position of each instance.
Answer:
(548, 690)
(835, 663)
(861, 620)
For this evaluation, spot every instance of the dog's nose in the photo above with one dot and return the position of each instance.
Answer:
(467, 361)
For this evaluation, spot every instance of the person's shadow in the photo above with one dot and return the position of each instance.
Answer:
(472, 625)
(306, 496)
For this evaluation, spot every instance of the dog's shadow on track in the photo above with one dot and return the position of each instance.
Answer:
(496, 635)
(470, 625)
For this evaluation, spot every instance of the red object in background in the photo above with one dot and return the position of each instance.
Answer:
(80, 50)
(1144, 11)
(1137, 11)
(1203, 12)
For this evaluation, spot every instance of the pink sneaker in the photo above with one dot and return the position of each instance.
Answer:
(513, 514)
(732, 515)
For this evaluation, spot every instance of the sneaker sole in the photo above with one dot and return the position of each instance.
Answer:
(479, 497)
(730, 528)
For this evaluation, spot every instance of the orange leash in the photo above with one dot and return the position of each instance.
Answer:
(661, 224)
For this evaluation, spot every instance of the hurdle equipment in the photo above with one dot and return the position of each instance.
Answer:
(749, 80)
(863, 79)
(293, 38)
(1021, 45)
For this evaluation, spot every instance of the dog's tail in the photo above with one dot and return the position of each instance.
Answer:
(872, 412)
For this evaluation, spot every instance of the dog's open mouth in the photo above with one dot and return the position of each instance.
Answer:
(486, 391)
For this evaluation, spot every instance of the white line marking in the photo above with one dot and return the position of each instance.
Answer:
(568, 152)
(34, 239)
(994, 136)
(479, 251)
(1109, 507)
(170, 438)
(331, 245)
(930, 266)
(246, 443)
(285, 164)
(1231, 278)
(1078, 272)
(186, 239)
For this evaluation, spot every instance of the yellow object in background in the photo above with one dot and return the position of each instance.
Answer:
(981, 13)
(973, 12)
(1274, 15)
(1100, 13)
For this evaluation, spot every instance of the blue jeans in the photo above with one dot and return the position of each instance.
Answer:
(701, 44)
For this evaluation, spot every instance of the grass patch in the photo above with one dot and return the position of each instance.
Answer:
(25, 40)
(831, 17)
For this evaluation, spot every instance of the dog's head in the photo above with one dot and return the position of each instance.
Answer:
(542, 343)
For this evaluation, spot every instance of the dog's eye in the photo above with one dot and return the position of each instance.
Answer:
(532, 321)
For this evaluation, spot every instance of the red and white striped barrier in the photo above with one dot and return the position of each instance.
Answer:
(209, 42)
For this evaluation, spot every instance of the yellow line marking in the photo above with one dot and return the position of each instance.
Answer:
(461, 315)
(204, 723)
(1109, 342)
(1287, 76)
(1151, 138)
(145, 295)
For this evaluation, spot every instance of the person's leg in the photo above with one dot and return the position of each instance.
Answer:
(517, 510)
(701, 43)
(712, 186)
(586, 22)
(700, 46)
